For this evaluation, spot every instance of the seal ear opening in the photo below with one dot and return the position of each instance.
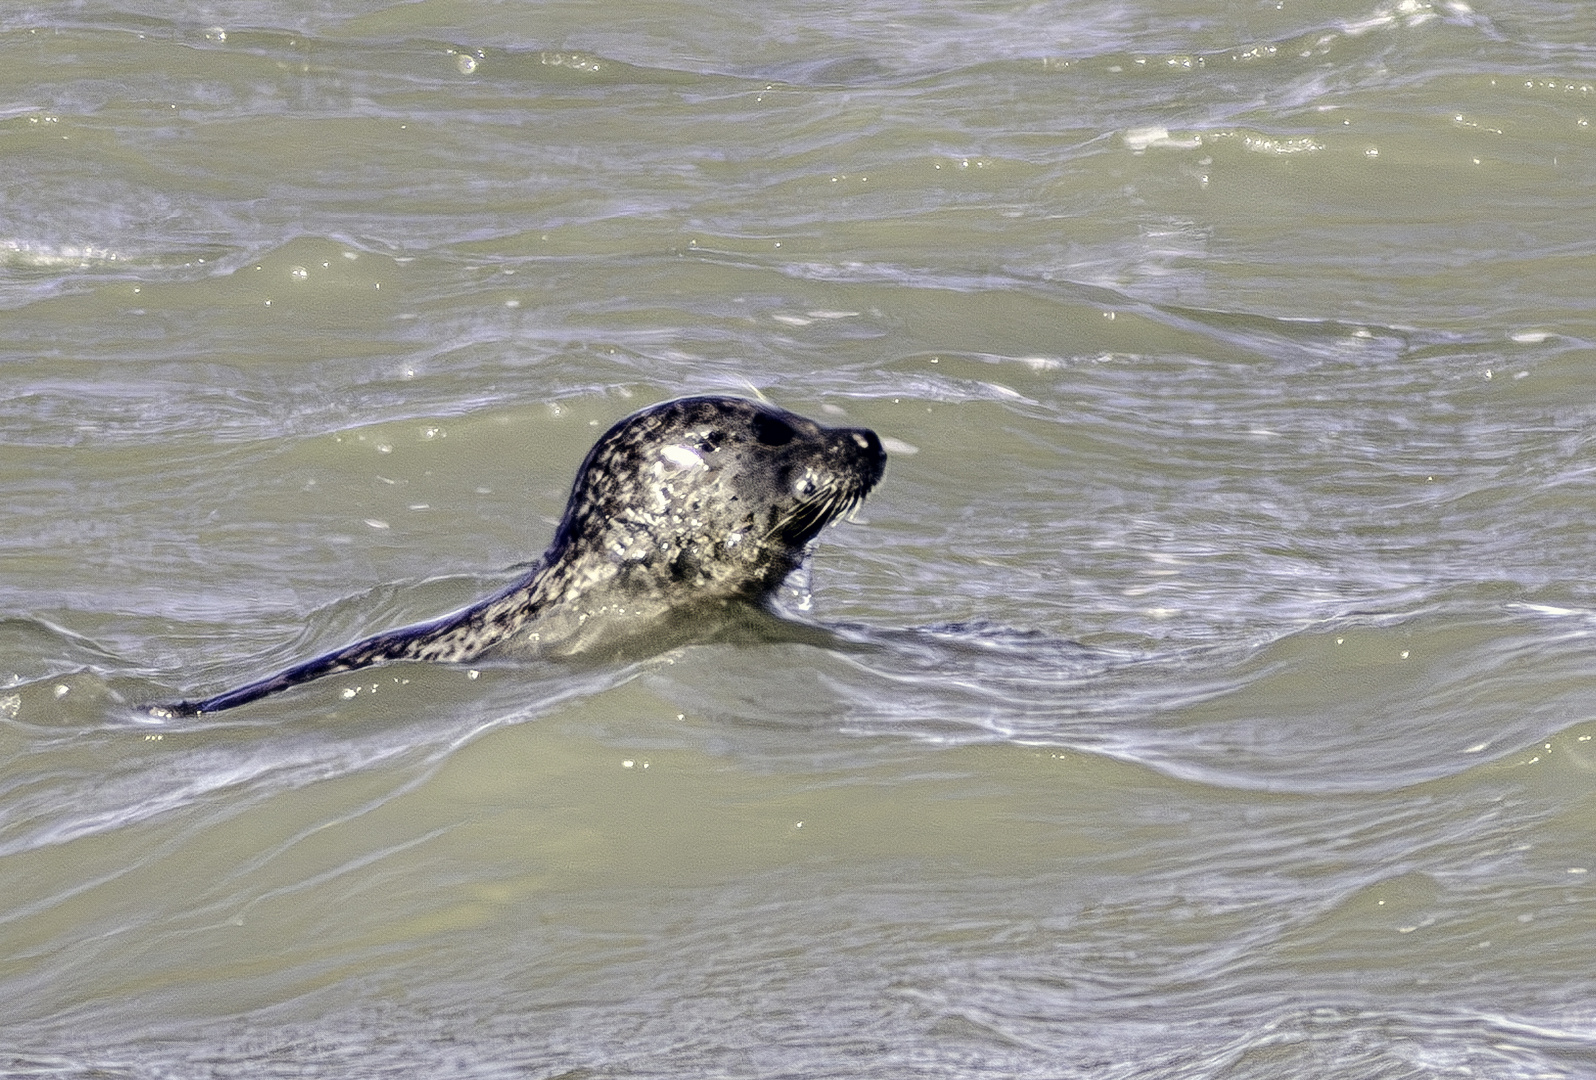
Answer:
(772, 430)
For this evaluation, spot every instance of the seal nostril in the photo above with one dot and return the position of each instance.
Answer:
(869, 442)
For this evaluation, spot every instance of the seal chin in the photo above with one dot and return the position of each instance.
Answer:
(678, 511)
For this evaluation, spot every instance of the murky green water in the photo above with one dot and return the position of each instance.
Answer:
(1224, 701)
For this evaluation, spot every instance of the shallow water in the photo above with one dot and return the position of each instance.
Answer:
(1213, 696)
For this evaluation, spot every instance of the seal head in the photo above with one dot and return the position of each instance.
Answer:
(679, 509)
(707, 497)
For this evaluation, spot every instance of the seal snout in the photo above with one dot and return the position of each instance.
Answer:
(870, 443)
(869, 458)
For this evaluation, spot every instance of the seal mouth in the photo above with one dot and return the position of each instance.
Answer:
(805, 522)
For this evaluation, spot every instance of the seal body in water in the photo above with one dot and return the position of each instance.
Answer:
(680, 509)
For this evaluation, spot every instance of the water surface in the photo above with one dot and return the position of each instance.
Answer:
(1222, 704)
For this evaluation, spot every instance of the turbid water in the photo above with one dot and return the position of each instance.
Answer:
(1214, 692)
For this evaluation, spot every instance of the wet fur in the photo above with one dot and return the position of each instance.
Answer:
(689, 505)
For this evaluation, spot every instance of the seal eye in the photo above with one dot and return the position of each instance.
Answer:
(772, 431)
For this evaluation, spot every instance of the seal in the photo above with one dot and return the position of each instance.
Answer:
(680, 510)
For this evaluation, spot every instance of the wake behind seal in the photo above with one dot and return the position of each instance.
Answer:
(680, 509)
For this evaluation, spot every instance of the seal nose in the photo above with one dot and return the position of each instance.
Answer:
(871, 452)
(869, 443)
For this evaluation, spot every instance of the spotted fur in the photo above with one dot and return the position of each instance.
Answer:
(691, 504)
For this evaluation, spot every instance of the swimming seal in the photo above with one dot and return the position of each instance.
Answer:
(684, 507)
